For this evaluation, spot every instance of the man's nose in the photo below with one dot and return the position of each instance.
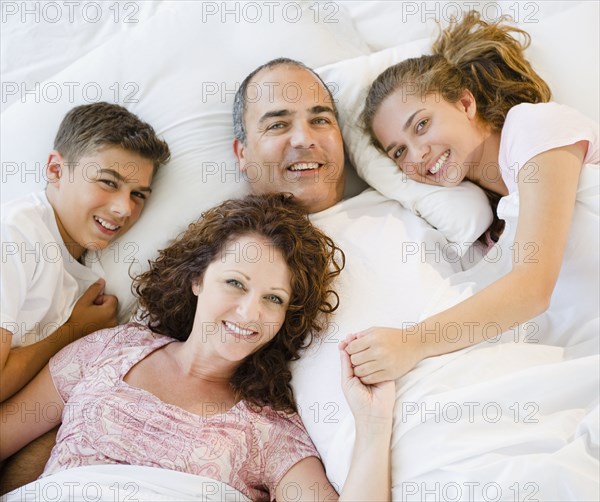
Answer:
(302, 136)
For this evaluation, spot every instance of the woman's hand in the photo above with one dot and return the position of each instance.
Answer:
(366, 401)
(381, 354)
(373, 408)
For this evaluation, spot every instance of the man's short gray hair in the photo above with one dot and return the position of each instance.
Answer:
(239, 104)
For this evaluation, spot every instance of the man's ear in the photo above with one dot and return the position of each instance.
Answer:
(239, 151)
(54, 167)
(468, 104)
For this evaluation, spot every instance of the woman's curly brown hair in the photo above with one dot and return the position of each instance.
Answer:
(169, 305)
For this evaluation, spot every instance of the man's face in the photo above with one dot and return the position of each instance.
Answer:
(293, 141)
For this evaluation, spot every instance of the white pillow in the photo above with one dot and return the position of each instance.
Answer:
(179, 71)
(462, 214)
(470, 213)
(387, 23)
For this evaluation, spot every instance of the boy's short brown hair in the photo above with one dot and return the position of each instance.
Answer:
(86, 128)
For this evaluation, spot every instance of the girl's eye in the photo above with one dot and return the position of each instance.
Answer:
(139, 195)
(399, 152)
(275, 299)
(235, 283)
(421, 124)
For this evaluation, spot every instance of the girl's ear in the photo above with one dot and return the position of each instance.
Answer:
(196, 287)
(468, 104)
(54, 167)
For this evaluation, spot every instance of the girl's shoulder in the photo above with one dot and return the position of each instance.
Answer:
(545, 115)
(530, 129)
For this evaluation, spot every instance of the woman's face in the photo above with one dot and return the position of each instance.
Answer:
(243, 298)
(431, 140)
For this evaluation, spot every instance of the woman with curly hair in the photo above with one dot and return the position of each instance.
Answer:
(201, 384)
(476, 110)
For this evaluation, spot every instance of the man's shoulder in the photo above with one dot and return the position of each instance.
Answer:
(369, 202)
(366, 197)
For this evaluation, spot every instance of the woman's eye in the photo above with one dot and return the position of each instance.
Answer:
(421, 124)
(235, 283)
(275, 299)
(139, 195)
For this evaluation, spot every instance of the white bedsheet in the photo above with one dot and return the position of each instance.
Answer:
(545, 443)
(504, 421)
(517, 417)
(110, 483)
(394, 267)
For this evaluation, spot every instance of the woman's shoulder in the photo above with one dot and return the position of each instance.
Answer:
(132, 334)
(269, 413)
(267, 416)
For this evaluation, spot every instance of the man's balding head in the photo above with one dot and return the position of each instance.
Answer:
(287, 138)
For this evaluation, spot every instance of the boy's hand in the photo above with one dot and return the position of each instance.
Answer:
(94, 311)
(380, 354)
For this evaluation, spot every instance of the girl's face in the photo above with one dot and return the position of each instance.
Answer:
(431, 140)
(243, 298)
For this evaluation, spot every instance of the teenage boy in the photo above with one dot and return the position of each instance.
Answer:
(52, 292)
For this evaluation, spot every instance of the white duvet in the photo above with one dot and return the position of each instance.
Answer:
(514, 420)
(110, 483)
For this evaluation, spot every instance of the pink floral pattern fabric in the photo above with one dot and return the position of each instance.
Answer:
(107, 421)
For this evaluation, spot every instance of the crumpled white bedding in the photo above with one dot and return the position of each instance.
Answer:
(109, 483)
(516, 419)
(501, 421)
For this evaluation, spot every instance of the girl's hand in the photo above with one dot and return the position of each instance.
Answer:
(380, 354)
(367, 402)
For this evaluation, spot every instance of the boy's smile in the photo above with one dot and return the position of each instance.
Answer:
(99, 197)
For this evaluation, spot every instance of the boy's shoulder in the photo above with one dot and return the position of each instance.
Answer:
(32, 207)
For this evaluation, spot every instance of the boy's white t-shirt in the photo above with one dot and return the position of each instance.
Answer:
(40, 281)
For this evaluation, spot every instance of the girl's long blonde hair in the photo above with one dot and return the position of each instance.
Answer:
(486, 58)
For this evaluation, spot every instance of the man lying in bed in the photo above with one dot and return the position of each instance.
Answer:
(287, 138)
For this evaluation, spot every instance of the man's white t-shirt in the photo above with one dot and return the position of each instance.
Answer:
(40, 281)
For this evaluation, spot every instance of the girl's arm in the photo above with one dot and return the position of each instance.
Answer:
(547, 188)
(369, 477)
(34, 410)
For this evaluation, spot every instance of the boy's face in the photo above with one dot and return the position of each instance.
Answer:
(99, 197)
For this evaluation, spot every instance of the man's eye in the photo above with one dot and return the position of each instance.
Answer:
(110, 183)
(276, 125)
(321, 121)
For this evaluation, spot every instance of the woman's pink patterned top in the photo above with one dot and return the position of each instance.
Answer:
(106, 421)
